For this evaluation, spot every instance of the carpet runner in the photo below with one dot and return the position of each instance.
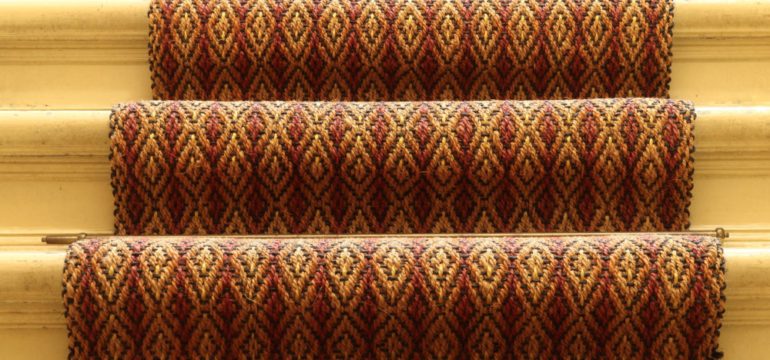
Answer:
(608, 296)
(515, 147)
(405, 167)
(409, 49)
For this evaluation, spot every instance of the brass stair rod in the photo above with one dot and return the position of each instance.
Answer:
(64, 239)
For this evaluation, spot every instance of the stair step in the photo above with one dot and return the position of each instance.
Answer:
(30, 284)
(91, 54)
(56, 178)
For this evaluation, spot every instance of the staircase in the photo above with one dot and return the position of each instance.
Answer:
(63, 64)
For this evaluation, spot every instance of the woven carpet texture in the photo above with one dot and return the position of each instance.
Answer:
(608, 296)
(406, 167)
(282, 118)
(409, 49)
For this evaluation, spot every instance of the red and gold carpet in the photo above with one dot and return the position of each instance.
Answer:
(471, 164)
(409, 50)
(609, 296)
(407, 167)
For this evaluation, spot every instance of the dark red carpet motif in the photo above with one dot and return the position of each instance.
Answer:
(409, 50)
(407, 167)
(614, 296)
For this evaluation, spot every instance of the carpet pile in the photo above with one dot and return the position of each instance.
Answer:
(409, 49)
(607, 296)
(324, 131)
(402, 167)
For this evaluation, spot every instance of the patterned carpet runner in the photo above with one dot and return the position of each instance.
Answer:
(409, 49)
(610, 296)
(407, 167)
(539, 161)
